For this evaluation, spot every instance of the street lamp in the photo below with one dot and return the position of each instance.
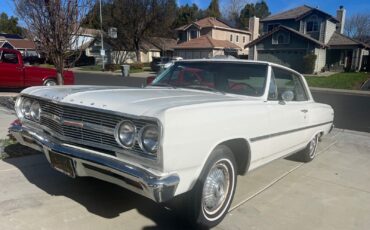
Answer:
(102, 51)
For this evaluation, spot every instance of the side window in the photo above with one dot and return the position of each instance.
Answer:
(8, 57)
(286, 80)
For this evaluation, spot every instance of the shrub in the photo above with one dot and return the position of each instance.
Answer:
(137, 65)
(309, 63)
(112, 67)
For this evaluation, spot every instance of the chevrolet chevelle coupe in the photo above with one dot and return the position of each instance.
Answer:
(197, 126)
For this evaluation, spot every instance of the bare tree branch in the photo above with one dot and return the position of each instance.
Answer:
(55, 25)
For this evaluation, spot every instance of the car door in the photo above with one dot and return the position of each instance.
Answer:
(11, 72)
(288, 112)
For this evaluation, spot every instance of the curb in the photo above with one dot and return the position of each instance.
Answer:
(342, 91)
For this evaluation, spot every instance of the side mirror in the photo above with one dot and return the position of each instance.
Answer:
(149, 80)
(287, 95)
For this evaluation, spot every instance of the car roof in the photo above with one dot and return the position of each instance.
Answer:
(239, 61)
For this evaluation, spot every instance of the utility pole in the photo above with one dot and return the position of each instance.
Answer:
(102, 51)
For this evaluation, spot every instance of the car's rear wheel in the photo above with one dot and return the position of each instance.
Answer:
(309, 153)
(50, 82)
(211, 197)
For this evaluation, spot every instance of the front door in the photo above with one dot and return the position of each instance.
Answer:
(288, 118)
(11, 72)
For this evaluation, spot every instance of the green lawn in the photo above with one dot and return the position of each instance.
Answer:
(339, 80)
(99, 69)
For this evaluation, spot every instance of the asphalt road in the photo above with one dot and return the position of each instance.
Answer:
(109, 79)
(351, 111)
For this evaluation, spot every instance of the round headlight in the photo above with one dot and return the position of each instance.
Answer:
(150, 138)
(35, 111)
(126, 133)
(26, 108)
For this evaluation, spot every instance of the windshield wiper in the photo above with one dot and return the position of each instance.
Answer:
(203, 87)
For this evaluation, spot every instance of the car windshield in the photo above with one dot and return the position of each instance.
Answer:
(236, 78)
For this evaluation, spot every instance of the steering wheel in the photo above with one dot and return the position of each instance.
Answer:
(243, 84)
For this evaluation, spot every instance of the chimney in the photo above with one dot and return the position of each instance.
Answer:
(341, 16)
(254, 24)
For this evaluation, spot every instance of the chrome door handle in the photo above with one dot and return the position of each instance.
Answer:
(304, 110)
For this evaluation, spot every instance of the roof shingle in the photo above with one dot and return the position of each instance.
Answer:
(295, 13)
(341, 40)
(22, 43)
(204, 42)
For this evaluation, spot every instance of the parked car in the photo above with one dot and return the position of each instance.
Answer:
(78, 59)
(14, 74)
(159, 63)
(190, 133)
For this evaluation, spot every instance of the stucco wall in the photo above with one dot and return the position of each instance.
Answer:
(219, 34)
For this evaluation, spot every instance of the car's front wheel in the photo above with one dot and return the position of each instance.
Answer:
(212, 195)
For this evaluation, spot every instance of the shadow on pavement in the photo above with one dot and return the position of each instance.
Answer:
(98, 197)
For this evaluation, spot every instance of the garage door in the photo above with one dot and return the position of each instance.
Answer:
(292, 58)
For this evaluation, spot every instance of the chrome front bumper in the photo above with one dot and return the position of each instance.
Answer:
(158, 187)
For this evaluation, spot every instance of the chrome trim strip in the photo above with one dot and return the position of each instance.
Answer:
(254, 139)
(79, 124)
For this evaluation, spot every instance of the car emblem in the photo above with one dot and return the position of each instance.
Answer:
(73, 123)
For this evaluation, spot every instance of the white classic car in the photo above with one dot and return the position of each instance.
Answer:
(192, 131)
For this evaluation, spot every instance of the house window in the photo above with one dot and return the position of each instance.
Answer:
(312, 24)
(270, 27)
(243, 39)
(280, 38)
(237, 38)
(231, 37)
(193, 34)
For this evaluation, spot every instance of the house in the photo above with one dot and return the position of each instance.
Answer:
(89, 41)
(209, 37)
(290, 35)
(13, 41)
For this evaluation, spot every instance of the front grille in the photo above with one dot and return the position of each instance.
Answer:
(53, 114)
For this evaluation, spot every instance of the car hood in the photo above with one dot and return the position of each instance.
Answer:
(148, 101)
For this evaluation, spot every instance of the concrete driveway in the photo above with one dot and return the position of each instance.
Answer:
(332, 192)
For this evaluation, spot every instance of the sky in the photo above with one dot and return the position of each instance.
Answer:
(329, 6)
(276, 6)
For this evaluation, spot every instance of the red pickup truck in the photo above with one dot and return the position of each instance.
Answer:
(14, 74)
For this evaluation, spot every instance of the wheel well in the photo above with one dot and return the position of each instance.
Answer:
(49, 78)
(242, 153)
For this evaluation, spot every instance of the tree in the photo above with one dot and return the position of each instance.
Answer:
(232, 9)
(213, 9)
(259, 9)
(9, 25)
(246, 13)
(140, 20)
(187, 14)
(358, 26)
(55, 24)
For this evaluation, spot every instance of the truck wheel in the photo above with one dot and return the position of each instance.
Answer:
(309, 153)
(211, 197)
(50, 82)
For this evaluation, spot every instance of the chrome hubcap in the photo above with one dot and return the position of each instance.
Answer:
(312, 147)
(216, 188)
